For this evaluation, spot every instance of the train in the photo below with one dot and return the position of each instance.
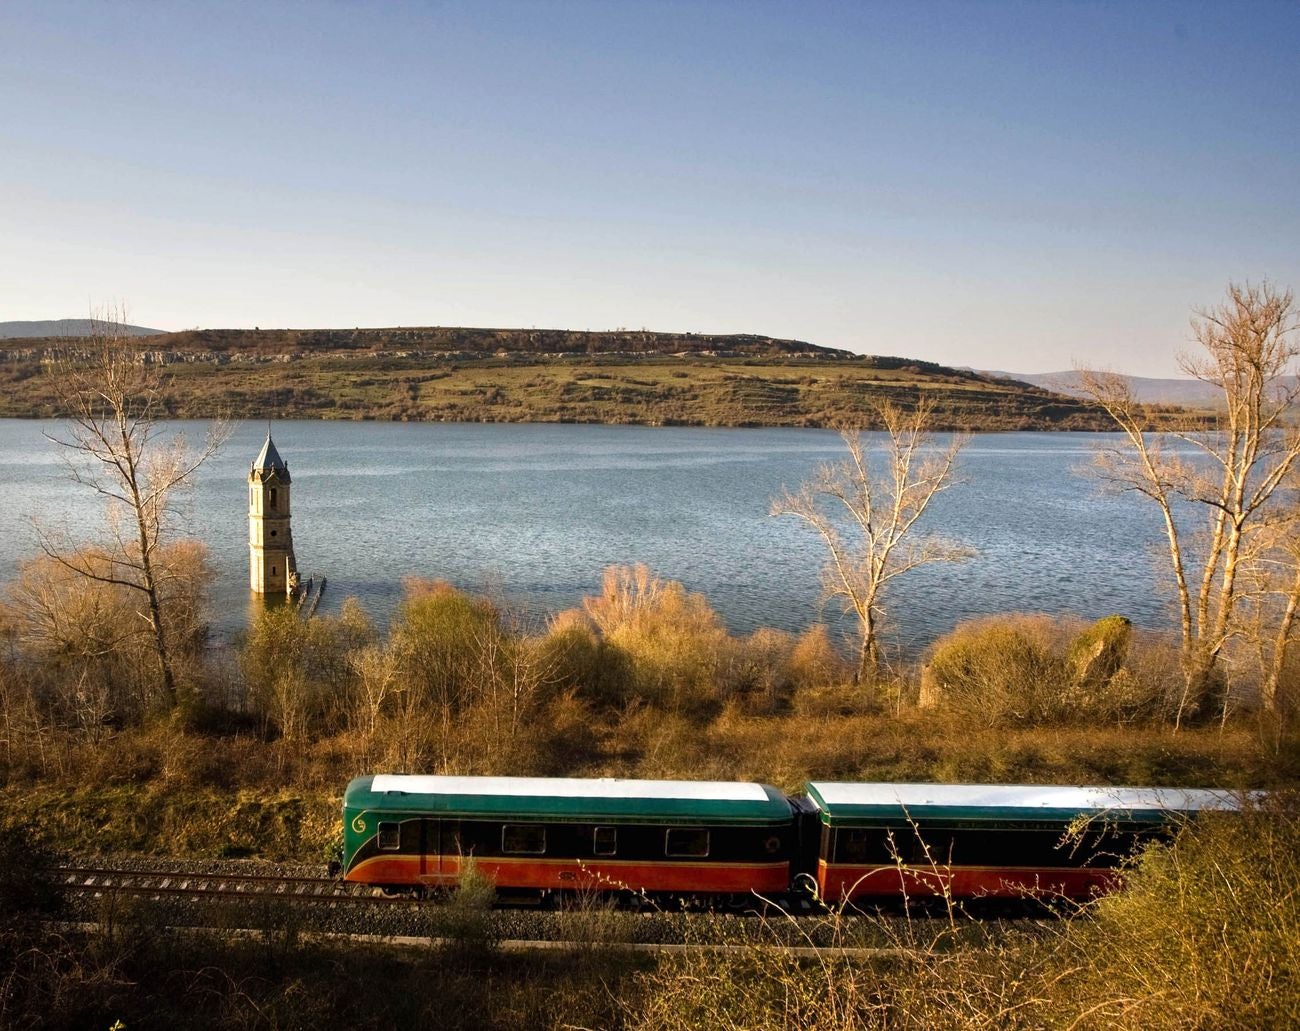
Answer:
(538, 838)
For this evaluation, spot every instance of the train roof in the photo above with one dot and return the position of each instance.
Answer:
(570, 798)
(847, 803)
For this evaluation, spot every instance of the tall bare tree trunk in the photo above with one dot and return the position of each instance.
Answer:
(1249, 353)
(1281, 645)
(111, 400)
(866, 511)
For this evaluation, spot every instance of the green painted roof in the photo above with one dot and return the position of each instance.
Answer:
(865, 803)
(570, 798)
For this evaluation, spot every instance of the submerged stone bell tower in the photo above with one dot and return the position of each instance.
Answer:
(271, 565)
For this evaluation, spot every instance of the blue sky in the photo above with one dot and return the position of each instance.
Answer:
(1016, 186)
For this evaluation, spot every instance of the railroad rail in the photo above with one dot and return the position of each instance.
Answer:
(335, 910)
(103, 880)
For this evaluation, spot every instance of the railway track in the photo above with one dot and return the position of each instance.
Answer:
(102, 880)
(219, 897)
(82, 879)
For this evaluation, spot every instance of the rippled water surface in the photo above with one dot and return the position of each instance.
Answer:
(534, 513)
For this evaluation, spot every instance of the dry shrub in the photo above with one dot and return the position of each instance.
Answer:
(300, 673)
(584, 662)
(440, 635)
(565, 739)
(591, 920)
(762, 670)
(1206, 932)
(1004, 668)
(679, 650)
(1029, 670)
(757, 989)
(86, 647)
(775, 670)
(815, 662)
(856, 972)
(460, 688)
(884, 695)
(648, 742)
(466, 921)
(1149, 684)
(833, 702)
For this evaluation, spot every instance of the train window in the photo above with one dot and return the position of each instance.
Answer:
(854, 845)
(523, 839)
(604, 841)
(686, 841)
(389, 837)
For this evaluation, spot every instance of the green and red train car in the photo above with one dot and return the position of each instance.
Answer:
(884, 841)
(543, 835)
(716, 839)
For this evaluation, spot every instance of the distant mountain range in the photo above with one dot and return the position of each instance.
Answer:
(1189, 392)
(66, 328)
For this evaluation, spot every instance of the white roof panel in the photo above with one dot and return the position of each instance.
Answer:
(570, 787)
(1022, 796)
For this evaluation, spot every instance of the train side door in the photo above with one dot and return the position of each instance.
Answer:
(440, 859)
(452, 850)
(428, 850)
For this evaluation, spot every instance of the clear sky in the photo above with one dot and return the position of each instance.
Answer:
(1011, 186)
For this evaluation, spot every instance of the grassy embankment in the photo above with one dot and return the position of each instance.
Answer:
(522, 376)
(642, 681)
(1203, 935)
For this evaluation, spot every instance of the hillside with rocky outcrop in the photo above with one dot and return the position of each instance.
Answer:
(531, 375)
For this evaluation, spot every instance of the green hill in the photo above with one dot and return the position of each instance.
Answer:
(530, 375)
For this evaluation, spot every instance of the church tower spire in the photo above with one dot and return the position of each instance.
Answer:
(271, 563)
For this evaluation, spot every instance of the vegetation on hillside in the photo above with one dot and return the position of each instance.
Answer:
(455, 375)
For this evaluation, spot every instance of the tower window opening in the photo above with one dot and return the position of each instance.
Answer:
(273, 532)
(273, 497)
(273, 570)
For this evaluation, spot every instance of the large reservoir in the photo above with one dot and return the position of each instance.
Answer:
(532, 514)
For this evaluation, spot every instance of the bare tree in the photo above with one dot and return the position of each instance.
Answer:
(1270, 601)
(1215, 484)
(111, 396)
(867, 516)
(377, 673)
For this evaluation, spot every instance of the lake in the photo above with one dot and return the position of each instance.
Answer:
(533, 513)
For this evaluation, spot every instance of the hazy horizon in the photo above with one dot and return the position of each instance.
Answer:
(1000, 186)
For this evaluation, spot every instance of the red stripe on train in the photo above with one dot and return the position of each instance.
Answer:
(839, 881)
(571, 875)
